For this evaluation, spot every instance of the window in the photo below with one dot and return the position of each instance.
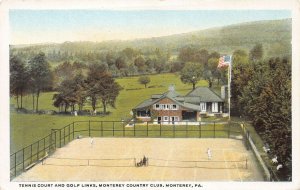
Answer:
(157, 106)
(215, 107)
(174, 107)
(203, 106)
(166, 118)
(167, 106)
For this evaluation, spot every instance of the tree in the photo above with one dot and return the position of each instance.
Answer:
(212, 72)
(18, 79)
(139, 62)
(40, 76)
(266, 100)
(144, 80)
(62, 72)
(101, 85)
(191, 73)
(242, 72)
(72, 91)
(256, 53)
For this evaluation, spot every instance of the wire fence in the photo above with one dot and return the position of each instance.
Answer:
(269, 174)
(28, 156)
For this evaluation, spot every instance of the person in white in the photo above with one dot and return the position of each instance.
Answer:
(209, 154)
(92, 142)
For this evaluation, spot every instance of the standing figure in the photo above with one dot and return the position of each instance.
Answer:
(209, 154)
(92, 142)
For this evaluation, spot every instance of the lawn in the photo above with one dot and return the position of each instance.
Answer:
(28, 128)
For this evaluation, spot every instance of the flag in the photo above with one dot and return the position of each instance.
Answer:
(224, 61)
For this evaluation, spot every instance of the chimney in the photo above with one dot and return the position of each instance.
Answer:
(172, 87)
(223, 91)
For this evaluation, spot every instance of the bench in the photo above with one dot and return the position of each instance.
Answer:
(30, 166)
(43, 158)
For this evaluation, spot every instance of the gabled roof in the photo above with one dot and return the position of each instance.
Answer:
(190, 101)
(204, 94)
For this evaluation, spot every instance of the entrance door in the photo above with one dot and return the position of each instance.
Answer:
(158, 120)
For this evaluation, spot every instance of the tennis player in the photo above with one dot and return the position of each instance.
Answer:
(92, 142)
(209, 154)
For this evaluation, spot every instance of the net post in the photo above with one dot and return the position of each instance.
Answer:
(113, 128)
(147, 128)
(89, 128)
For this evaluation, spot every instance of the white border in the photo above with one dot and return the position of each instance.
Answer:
(293, 5)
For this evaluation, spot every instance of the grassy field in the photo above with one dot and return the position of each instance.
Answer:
(27, 128)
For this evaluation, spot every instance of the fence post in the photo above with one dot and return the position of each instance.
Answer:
(73, 129)
(44, 147)
(214, 129)
(23, 159)
(64, 136)
(15, 164)
(31, 154)
(228, 130)
(147, 129)
(69, 132)
(199, 128)
(160, 130)
(134, 128)
(37, 152)
(186, 124)
(123, 128)
(60, 138)
(173, 130)
(89, 128)
(101, 128)
(113, 128)
(54, 139)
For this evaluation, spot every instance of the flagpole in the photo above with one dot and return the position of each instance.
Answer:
(229, 87)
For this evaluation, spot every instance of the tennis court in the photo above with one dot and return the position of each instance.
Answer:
(169, 159)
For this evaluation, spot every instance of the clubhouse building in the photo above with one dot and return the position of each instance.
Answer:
(171, 107)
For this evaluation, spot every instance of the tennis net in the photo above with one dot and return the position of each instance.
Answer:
(101, 162)
(207, 164)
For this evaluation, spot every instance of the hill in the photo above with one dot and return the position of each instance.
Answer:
(275, 35)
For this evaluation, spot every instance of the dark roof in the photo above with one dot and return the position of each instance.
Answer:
(204, 94)
(190, 101)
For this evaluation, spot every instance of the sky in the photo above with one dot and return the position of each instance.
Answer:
(57, 26)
